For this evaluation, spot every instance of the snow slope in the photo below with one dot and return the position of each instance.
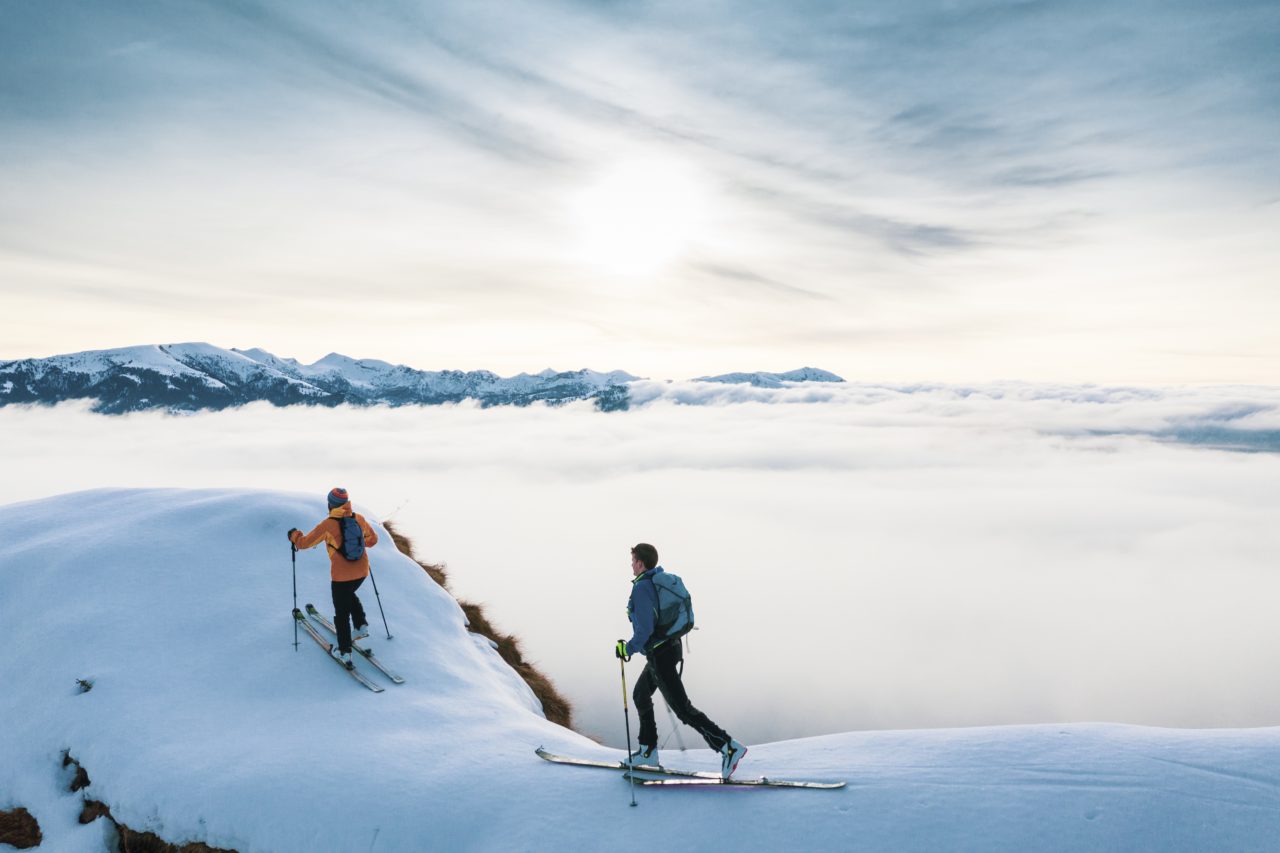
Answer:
(205, 724)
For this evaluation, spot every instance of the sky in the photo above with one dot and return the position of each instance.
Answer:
(1077, 191)
(859, 557)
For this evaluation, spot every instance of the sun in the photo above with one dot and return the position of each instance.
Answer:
(639, 216)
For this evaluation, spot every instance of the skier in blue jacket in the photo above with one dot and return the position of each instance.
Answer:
(662, 671)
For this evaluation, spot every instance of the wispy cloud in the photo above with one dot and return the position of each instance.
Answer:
(758, 281)
(358, 65)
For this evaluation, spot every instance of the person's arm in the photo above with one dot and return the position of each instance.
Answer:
(310, 540)
(644, 604)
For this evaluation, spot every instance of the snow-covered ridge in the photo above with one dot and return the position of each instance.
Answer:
(204, 724)
(773, 380)
(199, 376)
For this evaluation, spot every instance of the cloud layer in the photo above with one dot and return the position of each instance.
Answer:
(886, 559)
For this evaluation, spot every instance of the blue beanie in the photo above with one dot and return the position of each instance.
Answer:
(338, 497)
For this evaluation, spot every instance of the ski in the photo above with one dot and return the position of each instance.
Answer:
(368, 653)
(618, 765)
(681, 777)
(328, 652)
(763, 781)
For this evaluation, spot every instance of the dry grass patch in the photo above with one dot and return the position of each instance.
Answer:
(81, 778)
(557, 708)
(20, 829)
(146, 842)
(93, 810)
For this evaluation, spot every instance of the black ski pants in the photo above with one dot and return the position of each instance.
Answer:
(661, 672)
(347, 611)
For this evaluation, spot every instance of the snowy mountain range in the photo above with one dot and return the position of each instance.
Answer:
(198, 376)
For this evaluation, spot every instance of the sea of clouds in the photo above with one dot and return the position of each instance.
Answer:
(861, 556)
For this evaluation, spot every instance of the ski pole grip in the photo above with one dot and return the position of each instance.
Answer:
(622, 667)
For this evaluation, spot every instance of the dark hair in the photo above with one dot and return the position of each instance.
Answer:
(647, 554)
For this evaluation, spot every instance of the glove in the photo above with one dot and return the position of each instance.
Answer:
(292, 530)
(620, 651)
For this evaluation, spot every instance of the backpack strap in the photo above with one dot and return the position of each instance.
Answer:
(337, 547)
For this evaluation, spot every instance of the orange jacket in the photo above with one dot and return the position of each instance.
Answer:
(327, 531)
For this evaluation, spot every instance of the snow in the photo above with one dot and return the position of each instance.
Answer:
(96, 363)
(196, 359)
(772, 380)
(362, 373)
(204, 723)
(231, 363)
(372, 375)
(288, 366)
(193, 360)
(613, 377)
(593, 378)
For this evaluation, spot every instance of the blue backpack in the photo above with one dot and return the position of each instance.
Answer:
(675, 607)
(352, 545)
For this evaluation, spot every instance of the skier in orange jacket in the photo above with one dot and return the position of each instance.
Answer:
(346, 574)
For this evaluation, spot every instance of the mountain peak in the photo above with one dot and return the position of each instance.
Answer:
(762, 379)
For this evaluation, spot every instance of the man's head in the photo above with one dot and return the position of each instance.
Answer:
(643, 557)
(337, 497)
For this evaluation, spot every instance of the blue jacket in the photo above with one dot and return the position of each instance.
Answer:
(642, 610)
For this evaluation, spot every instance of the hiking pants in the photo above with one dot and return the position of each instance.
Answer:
(346, 611)
(660, 673)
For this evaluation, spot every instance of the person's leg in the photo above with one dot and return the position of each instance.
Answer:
(343, 595)
(358, 619)
(664, 663)
(643, 696)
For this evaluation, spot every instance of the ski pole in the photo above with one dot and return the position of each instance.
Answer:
(375, 595)
(675, 726)
(675, 730)
(294, 554)
(626, 716)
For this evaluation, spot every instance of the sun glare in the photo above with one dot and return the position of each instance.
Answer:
(639, 216)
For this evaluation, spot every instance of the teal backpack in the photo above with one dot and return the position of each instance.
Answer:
(675, 607)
